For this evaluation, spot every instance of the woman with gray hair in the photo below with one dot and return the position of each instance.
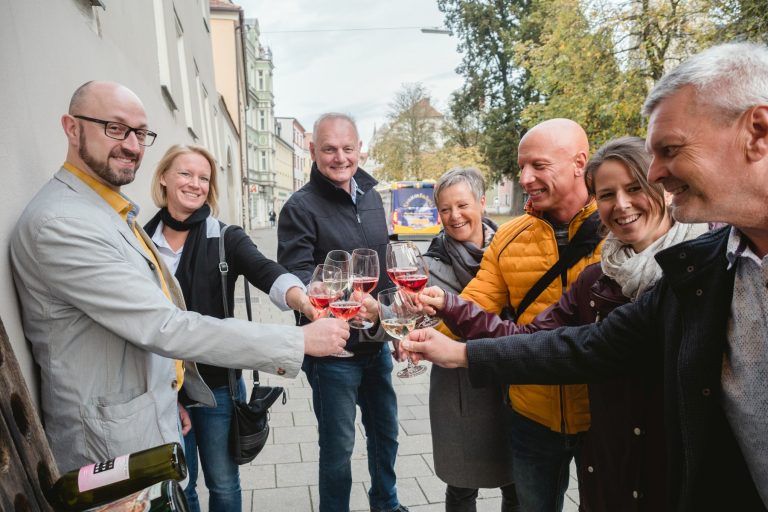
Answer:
(469, 441)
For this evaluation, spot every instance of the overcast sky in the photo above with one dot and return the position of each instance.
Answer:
(355, 71)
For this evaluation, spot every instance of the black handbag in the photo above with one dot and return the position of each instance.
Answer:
(249, 427)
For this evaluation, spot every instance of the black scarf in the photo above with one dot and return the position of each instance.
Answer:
(194, 268)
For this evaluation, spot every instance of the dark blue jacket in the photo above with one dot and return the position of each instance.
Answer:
(321, 217)
(678, 330)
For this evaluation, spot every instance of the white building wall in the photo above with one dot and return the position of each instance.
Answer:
(47, 50)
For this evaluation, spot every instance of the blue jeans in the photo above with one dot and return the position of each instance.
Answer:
(541, 460)
(210, 437)
(337, 386)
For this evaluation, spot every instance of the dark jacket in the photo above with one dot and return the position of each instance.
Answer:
(677, 329)
(621, 456)
(243, 259)
(321, 217)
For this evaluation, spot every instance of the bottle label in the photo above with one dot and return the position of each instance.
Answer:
(103, 473)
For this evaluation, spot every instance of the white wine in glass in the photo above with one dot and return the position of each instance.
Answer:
(398, 316)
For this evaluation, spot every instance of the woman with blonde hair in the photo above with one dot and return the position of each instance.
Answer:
(186, 233)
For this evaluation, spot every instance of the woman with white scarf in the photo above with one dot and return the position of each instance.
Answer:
(622, 455)
(470, 446)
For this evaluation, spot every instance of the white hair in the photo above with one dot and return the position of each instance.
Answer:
(334, 115)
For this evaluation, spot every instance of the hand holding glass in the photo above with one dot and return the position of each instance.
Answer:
(398, 315)
(408, 270)
(324, 287)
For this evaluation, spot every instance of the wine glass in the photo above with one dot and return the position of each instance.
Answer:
(398, 315)
(324, 287)
(408, 270)
(365, 276)
(342, 306)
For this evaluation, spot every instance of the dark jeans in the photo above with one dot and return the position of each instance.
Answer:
(541, 460)
(459, 499)
(338, 386)
(210, 438)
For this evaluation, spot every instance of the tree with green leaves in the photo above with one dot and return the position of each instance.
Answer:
(496, 88)
(578, 74)
(413, 129)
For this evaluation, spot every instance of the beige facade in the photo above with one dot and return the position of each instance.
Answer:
(291, 131)
(284, 158)
(227, 43)
(161, 49)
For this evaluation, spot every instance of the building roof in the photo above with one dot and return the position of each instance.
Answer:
(223, 5)
(428, 109)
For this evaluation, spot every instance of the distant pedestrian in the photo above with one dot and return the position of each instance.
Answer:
(272, 218)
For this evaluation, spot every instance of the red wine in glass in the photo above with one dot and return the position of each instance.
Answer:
(397, 272)
(364, 285)
(414, 283)
(345, 309)
(321, 301)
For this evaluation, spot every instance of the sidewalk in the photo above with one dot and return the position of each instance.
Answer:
(284, 476)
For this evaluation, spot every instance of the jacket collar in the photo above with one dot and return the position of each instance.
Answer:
(703, 256)
(365, 181)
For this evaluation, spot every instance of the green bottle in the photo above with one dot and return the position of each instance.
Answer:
(110, 480)
(165, 496)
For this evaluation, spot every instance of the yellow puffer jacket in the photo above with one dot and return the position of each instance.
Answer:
(521, 252)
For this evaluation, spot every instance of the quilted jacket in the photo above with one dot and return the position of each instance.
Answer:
(521, 252)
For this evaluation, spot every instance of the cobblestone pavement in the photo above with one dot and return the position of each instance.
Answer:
(284, 476)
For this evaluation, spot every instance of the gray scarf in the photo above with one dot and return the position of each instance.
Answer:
(636, 272)
(466, 256)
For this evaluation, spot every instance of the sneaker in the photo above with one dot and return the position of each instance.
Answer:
(400, 508)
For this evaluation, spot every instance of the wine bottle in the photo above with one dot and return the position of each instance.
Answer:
(165, 496)
(96, 484)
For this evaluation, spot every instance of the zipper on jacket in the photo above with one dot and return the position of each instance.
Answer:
(562, 409)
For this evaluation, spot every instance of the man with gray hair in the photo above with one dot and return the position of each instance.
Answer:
(339, 209)
(704, 325)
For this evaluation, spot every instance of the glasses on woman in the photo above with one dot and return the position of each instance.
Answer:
(398, 315)
(408, 270)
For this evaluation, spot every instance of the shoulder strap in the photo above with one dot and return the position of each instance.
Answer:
(223, 270)
(583, 242)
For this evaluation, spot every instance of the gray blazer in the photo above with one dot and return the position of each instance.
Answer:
(104, 335)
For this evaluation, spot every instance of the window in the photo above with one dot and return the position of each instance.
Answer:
(261, 79)
(185, 79)
(262, 120)
(263, 160)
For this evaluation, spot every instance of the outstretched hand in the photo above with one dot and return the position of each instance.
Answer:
(325, 337)
(369, 309)
(432, 299)
(436, 347)
(297, 299)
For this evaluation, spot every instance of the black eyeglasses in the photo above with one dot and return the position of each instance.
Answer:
(120, 131)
